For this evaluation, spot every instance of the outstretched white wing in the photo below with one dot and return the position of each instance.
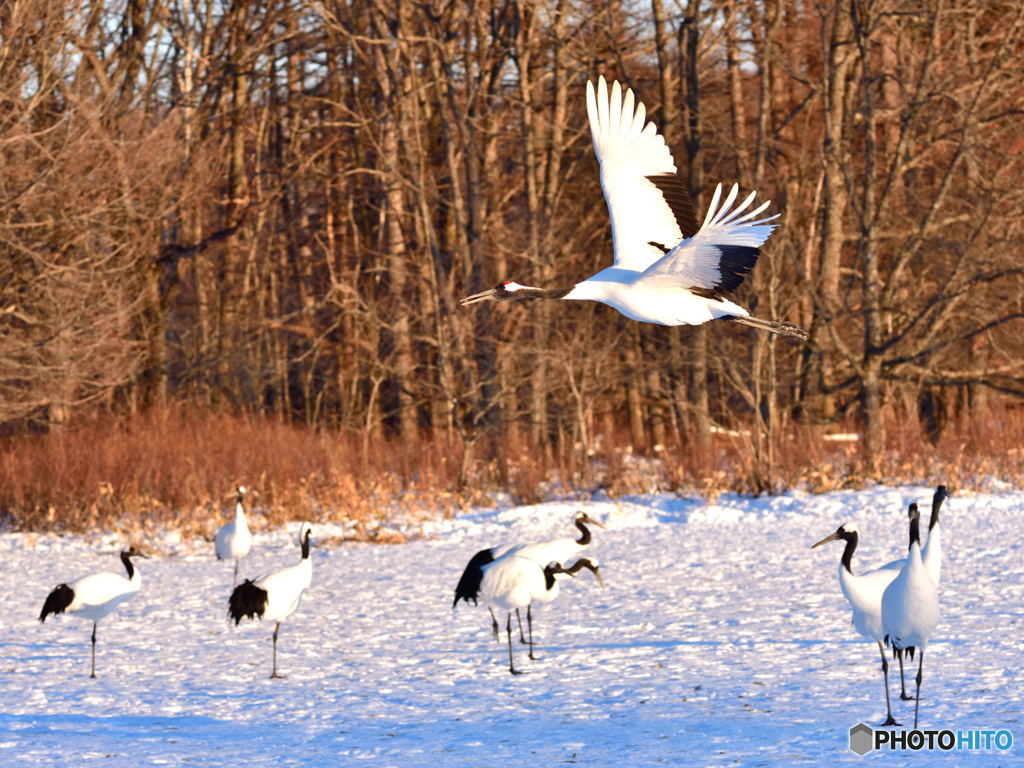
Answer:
(716, 259)
(629, 152)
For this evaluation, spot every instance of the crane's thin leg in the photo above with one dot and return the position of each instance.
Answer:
(529, 623)
(494, 625)
(93, 673)
(234, 577)
(889, 719)
(903, 687)
(920, 666)
(274, 673)
(519, 618)
(508, 631)
(780, 327)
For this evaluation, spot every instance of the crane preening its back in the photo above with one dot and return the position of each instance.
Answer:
(551, 593)
(512, 582)
(666, 270)
(559, 550)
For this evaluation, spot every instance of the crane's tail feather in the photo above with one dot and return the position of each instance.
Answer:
(247, 601)
(57, 601)
(780, 327)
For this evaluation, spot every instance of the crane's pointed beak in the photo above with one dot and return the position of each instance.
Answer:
(489, 295)
(826, 540)
(597, 573)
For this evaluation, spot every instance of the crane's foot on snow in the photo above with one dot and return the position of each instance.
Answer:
(890, 720)
(907, 697)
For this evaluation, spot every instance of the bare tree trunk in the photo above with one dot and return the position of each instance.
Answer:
(818, 404)
(699, 371)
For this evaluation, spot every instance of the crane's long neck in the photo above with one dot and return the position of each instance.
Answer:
(305, 545)
(128, 566)
(527, 292)
(851, 546)
(584, 538)
(578, 566)
(940, 496)
(915, 531)
(549, 575)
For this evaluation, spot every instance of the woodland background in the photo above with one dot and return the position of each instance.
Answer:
(233, 236)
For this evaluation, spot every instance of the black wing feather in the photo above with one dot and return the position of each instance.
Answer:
(677, 194)
(468, 587)
(247, 601)
(57, 601)
(734, 264)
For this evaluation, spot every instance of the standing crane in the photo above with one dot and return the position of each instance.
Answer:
(95, 596)
(233, 540)
(864, 594)
(274, 596)
(910, 607)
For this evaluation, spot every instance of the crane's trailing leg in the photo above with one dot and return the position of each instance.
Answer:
(772, 326)
(274, 675)
(903, 688)
(917, 703)
(529, 624)
(508, 631)
(889, 719)
(494, 625)
(92, 674)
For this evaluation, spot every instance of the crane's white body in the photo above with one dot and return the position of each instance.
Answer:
(864, 594)
(651, 301)
(234, 540)
(910, 604)
(284, 588)
(513, 581)
(97, 595)
(558, 550)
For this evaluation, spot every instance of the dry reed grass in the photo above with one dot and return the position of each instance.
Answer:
(175, 469)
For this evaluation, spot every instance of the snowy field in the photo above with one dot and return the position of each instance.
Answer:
(720, 639)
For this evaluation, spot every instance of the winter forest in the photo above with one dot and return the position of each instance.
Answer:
(251, 222)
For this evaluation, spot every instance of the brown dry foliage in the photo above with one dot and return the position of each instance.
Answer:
(175, 469)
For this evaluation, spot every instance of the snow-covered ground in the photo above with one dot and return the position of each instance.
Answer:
(720, 639)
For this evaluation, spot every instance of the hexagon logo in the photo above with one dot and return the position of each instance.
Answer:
(862, 739)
